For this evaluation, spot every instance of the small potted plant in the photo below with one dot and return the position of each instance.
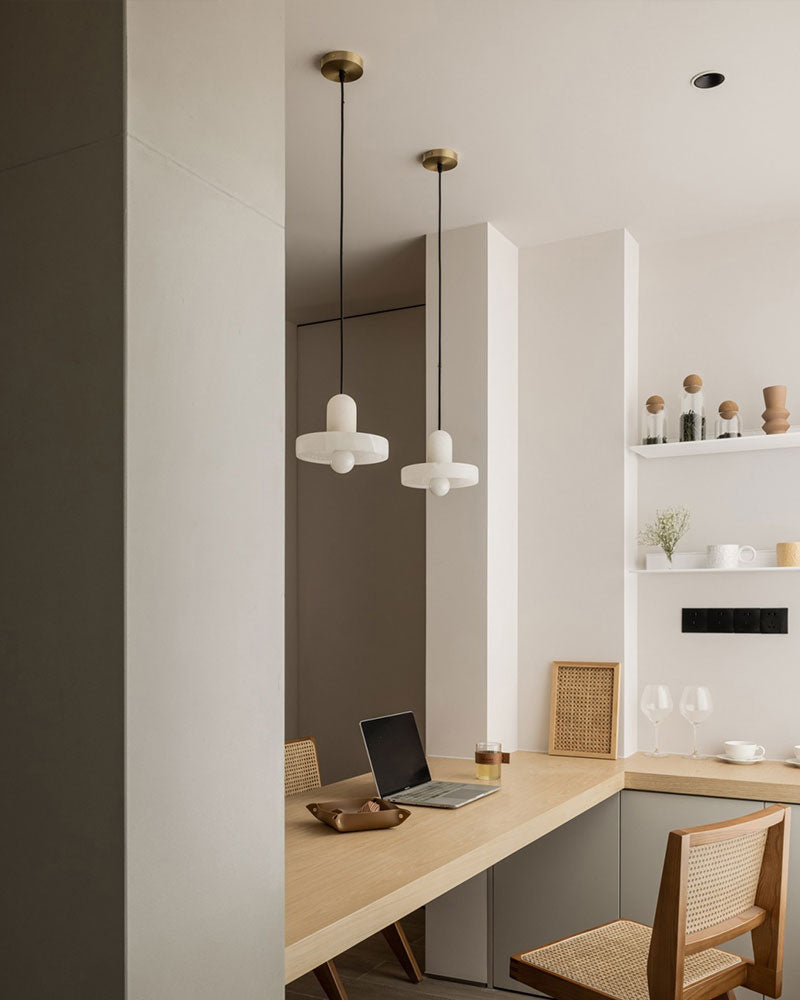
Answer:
(666, 530)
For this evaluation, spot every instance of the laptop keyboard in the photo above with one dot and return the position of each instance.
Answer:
(430, 790)
(440, 789)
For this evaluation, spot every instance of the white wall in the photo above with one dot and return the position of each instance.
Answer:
(576, 344)
(471, 666)
(502, 489)
(726, 306)
(205, 500)
(455, 693)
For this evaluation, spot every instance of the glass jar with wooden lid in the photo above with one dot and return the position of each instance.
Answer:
(729, 421)
(654, 423)
(693, 410)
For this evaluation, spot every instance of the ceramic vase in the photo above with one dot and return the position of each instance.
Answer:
(775, 414)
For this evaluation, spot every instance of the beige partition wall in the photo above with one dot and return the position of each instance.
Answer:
(205, 500)
(142, 396)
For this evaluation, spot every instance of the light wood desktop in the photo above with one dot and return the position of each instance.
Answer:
(341, 888)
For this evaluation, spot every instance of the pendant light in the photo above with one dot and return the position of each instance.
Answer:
(340, 445)
(439, 473)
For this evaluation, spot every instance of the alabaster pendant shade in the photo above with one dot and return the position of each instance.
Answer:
(439, 473)
(341, 445)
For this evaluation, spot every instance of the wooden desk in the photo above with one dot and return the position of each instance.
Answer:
(340, 888)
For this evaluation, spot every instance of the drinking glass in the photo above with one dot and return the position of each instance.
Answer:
(656, 704)
(488, 758)
(696, 706)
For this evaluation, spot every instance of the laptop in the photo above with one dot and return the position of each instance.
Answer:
(401, 771)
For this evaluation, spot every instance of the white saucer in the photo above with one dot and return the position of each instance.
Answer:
(735, 760)
(793, 761)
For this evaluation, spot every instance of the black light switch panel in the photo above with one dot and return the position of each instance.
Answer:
(744, 621)
(694, 620)
(720, 619)
(747, 620)
(774, 621)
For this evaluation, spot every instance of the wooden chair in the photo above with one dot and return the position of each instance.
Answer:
(718, 882)
(301, 774)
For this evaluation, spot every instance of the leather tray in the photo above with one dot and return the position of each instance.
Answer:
(344, 815)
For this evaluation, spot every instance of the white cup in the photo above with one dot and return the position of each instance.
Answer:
(729, 556)
(742, 750)
(797, 752)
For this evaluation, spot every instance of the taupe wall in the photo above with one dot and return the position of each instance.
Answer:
(361, 540)
(61, 414)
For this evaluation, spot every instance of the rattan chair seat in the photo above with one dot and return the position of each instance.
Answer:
(612, 959)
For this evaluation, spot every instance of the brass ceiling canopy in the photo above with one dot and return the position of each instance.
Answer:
(350, 63)
(432, 159)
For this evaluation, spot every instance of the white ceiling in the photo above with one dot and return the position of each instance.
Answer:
(571, 117)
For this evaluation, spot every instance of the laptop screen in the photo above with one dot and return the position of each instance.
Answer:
(395, 753)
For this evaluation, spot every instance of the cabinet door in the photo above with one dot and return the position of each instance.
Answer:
(647, 818)
(791, 944)
(563, 883)
(457, 933)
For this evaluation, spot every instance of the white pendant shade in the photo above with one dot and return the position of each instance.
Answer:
(439, 473)
(341, 445)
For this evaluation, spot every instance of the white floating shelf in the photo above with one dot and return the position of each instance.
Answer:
(705, 569)
(715, 446)
(695, 562)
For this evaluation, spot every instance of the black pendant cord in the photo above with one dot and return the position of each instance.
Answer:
(341, 237)
(439, 170)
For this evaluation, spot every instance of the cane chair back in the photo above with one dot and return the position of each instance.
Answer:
(719, 882)
(301, 767)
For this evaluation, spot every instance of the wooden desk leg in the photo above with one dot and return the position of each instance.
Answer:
(328, 979)
(398, 942)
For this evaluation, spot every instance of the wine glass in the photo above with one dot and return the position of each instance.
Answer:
(696, 706)
(656, 704)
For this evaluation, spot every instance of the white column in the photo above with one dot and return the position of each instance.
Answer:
(577, 485)
(471, 640)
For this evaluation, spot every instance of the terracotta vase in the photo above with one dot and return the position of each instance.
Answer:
(775, 414)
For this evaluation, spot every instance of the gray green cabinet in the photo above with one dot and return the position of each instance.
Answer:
(558, 885)
(645, 820)
(594, 869)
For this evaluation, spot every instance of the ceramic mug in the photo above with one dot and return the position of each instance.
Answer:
(742, 750)
(797, 752)
(729, 556)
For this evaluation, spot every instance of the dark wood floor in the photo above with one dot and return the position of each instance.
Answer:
(370, 972)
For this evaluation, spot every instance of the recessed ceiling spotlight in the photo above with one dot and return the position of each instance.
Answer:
(705, 81)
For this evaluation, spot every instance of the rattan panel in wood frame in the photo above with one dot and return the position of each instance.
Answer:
(300, 766)
(584, 709)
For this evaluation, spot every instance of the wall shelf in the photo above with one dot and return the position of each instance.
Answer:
(705, 569)
(750, 442)
(695, 562)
